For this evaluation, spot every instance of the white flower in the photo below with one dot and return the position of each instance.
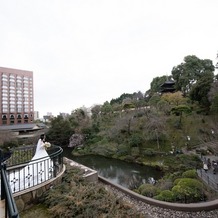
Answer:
(47, 144)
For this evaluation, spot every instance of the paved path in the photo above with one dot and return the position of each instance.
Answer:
(208, 176)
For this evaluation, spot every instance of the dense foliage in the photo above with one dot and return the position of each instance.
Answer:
(75, 197)
(184, 189)
(154, 128)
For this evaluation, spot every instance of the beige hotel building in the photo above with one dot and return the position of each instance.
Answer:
(16, 96)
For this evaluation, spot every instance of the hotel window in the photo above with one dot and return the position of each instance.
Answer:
(4, 116)
(12, 92)
(5, 95)
(25, 80)
(5, 87)
(19, 84)
(12, 95)
(19, 110)
(12, 98)
(4, 83)
(4, 79)
(4, 98)
(5, 75)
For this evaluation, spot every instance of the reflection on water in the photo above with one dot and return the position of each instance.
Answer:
(129, 175)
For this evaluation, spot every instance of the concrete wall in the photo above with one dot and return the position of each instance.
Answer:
(89, 174)
(192, 207)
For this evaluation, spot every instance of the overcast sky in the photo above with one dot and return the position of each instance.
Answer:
(85, 52)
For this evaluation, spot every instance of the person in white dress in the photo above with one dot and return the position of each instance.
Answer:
(38, 170)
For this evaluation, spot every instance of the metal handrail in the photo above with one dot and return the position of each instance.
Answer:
(37, 171)
(55, 154)
(6, 194)
(22, 155)
(208, 180)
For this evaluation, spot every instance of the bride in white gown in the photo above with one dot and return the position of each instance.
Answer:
(38, 170)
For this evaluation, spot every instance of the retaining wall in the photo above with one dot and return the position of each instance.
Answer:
(89, 174)
(192, 207)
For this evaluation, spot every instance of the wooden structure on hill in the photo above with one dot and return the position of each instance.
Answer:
(168, 86)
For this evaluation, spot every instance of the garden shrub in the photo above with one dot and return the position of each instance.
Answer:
(164, 184)
(75, 197)
(122, 150)
(190, 174)
(149, 152)
(165, 195)
(148, 190)
(188, 190)
(176, 181)
(174, 175)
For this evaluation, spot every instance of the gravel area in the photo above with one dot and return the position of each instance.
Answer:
(156, 212)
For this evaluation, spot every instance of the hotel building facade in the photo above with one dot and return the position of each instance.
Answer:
(16, 96)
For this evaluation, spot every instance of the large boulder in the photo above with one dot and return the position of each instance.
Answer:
(76, 140)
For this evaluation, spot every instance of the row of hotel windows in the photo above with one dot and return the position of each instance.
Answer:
(18, 96)
(13, 99)
(19, 116)
(5, 94)
(12, 76)
(18, 106)
(4, 122)
(19, 110)
(26, 106)
(18, 84)
(12, 87)
(25, 91)
(18, 102)
(13, 103)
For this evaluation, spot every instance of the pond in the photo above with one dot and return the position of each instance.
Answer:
(128, 175)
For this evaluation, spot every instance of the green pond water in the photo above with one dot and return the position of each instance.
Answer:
(129, 175)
